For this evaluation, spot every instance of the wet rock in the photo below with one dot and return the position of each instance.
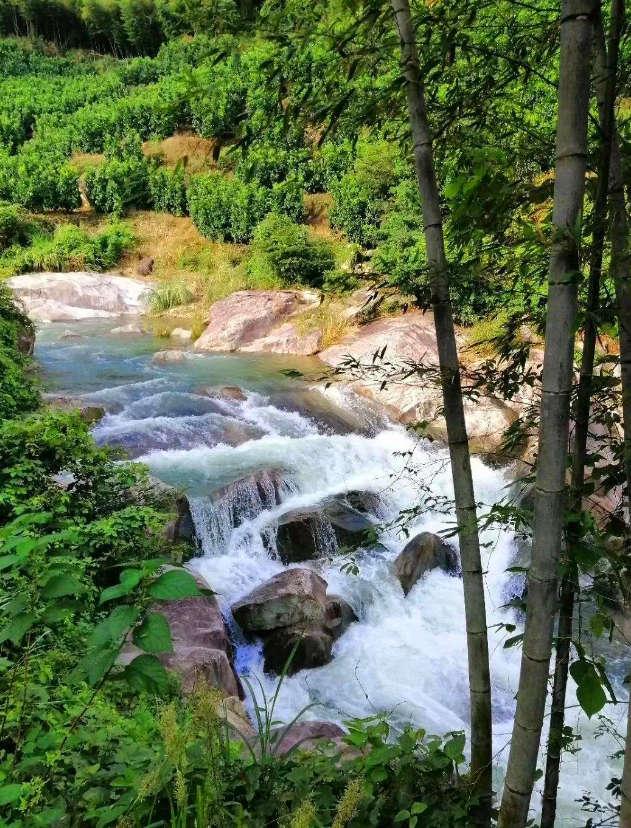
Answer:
(305, 535)
(182, 527)
(181, 335)
(424, 552)
(307, 648)
(339, 615)
(168, 357)
(131, 329)
(145, 266)
(90, 414)
(223, 392)
(325, 412)
(294, 597)
(247, 317)
(58, 297)
(160, 495)
(305, 736)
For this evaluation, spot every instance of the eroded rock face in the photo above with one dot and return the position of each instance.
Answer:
(246, 319)
(411, 338)
(286, 339)
(58, 297)
(423, 553)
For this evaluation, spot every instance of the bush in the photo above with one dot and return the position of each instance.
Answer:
(118, 183)
(283, 250)
(167, 189)
(226, 209)
(16, 227)
(401, 252)
(361, 195)
(170, 295)
(17, 392)
(69, 248)
(39, 180)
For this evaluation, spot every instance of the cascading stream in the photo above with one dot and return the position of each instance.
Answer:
(406, 656)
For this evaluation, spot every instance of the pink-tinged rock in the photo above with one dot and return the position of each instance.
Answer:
(287, 340)
(249, 315)
(407, 337)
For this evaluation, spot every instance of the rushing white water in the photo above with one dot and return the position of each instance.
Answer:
(406, 656)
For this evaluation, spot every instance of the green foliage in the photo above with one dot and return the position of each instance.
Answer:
(167, 190)
(16, 227)
(17, 390)
(283, 250)
(170, 295)
(39, 180)
(122, 181)
(68, 248)
(226, 209)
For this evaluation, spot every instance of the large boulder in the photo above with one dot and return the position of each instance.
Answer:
(202, 651)
(59, 297)
(293, 597)
(296, 649)
(411, 339)
(295, 619)
(245, 319)
(424, 552)
(201, 645)
(287, 339)
(307, 534)
(89, 413)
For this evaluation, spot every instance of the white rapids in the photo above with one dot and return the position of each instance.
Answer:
(405, 657)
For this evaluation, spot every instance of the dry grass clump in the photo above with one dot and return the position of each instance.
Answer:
(328, 318)
(196, 153)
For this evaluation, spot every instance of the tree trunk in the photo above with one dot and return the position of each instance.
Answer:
(606, 70)
(577, 25)
(473, 584)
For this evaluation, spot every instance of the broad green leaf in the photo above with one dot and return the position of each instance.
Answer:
(8, 560)
(113, 627)
(146, 673)
(10, 793)
(154, 634)
(589, 692)
(176, 583)
(17, 628)
(129, 580)
(418, 807)
(59, 585)
(402, 816)
(96, 664)
(454, 747)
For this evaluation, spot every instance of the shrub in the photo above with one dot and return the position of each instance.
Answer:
(118, 183)
(401, 252)
(284, 250)
(17, 392)
(226, 209)
(167, 189)
(39, 180)
(170, 295)
(361, 195)
(16, 227)
(69, 248)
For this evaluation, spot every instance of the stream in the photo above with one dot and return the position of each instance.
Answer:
(405, 656)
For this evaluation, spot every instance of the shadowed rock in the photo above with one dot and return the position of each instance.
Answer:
(424, 552)
(293, 597)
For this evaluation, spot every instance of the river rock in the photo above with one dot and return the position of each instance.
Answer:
(168, 357)
(411, 338)
(59, 297)
(339, 615)
(305, 736)
(223, 392)
(201, 645)
(293, 597)
(131, 329)
(183, 335)
(424, 552)
(286, 339)
(90, 414)
(247, 317)
(307, 648)
(304, 535)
